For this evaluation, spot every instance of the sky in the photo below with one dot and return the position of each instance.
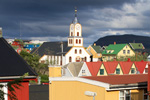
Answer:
(49, 20)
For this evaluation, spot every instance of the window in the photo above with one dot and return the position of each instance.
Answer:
(146, 70)
(117, 70)
(70, 59)
(101, 71)
(71, 33)
(80, 51)
(76, 41)
(124, 51)
(75, 51)
(83, 73)
(71, 41)
(85, 59)
(79, 41)
(77, 33)
(128, 51)
(124, 95)
(145, 94)
(132, 70)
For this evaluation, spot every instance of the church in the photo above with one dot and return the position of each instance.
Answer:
(77, 53)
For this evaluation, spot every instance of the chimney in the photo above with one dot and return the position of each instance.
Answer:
(114, 43)
(94, 44)
(128, 60)
(0, 32)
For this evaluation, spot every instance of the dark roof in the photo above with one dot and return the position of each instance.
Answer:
(97, 48)
(11, 63)
(52, 48)
(121, 79)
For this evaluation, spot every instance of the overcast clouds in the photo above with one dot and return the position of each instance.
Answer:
(50, 19)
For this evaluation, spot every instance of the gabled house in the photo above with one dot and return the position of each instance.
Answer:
(128, 67)
(94, 67)
(137, 47)
(85, 70)
(113, 68)
(96, 52)
(13, 66)
(142, 66)
(72, 69)
(113, 87)
(52, 52)
(117, 51)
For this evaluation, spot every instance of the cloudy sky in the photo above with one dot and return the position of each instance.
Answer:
(49, 20)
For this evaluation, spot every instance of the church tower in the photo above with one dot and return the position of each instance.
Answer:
(75, 35)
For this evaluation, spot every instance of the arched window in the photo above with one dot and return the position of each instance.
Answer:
(71, 41)
(75, 51)
(70, 59)
(79, 41)
(71, 33)
(85, 59)
(80, 51)
(76, 41)
(77, 33)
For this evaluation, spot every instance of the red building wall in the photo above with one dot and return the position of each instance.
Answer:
(23, 92)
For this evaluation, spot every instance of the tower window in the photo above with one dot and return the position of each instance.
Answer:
(77, 33)
(70, 59)
(79, 41)
(80, 51)
(75, 51)
(71, 33)
(85, 59)
(76, 41)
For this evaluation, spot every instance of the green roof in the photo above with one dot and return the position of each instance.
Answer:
(136, 45)
(115, 49)
(97, 48)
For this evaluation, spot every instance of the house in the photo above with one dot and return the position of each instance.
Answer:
(12, 67)
(117, 51)
(138, 47)
(52, 52)
(142, 66)
(77, 53)
(30, 46)
(95, 51)
(113, 87)
(72, 69)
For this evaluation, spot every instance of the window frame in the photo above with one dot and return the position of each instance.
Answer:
(100, 71)
(118, 70)
(124, 94)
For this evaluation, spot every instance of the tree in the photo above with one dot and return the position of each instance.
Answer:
(33, 61)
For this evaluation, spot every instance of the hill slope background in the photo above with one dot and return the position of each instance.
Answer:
(105, 41)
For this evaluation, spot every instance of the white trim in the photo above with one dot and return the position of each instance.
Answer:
(88, 81)
(126, 88)
(5, 90)
(13, 77)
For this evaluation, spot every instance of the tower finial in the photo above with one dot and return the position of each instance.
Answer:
(75, 11)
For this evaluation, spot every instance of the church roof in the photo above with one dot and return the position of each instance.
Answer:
(11, 63)
(51, 48)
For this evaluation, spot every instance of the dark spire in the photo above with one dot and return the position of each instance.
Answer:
(75, 19)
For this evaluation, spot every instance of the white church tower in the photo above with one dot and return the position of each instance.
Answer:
(75, 40)
(75, 34)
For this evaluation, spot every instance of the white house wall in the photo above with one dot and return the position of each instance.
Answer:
(87, 72)
(95, 59)
(72, 54)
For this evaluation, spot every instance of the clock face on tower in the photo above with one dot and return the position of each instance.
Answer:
(78, 27)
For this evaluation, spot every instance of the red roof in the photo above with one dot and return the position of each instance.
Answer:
(94, 67)
(120, 79)
(140, 66)
(126, 66)
(110, 66)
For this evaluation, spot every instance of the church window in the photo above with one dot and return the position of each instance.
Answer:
(71, 41)
(85, 59)
(80, 51)
(75, 51)
(79, 41)
(77, 33)
(70, 59)
(71, 33)
(76, 41)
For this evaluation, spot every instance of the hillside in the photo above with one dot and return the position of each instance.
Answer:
(104, 41)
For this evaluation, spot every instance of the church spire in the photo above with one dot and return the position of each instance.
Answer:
(75, 19)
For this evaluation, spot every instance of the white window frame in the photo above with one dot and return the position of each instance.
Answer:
(124, 51)
(5, 89)
(125, 94)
